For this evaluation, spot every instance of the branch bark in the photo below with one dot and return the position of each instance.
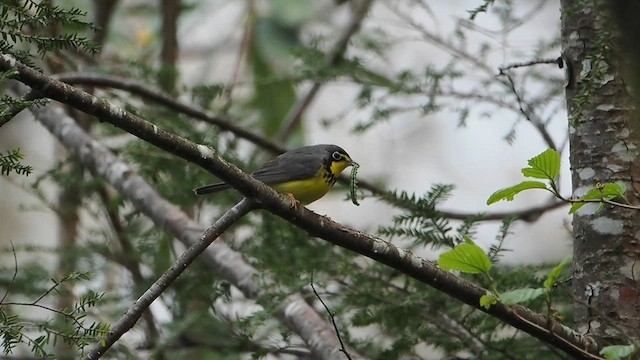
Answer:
(226, 262)
(146, 92)
(134, 313)
(542, 327)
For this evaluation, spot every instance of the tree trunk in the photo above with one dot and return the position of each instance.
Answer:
(604, 148)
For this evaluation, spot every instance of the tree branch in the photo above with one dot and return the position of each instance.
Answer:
(529, 215)
(546, 329)
(152, 94)
(134, 313)
(230, 265)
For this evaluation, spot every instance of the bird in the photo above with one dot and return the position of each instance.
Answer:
(304, 174)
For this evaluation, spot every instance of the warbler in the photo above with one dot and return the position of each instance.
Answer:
(304, 175)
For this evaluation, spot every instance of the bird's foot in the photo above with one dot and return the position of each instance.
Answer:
(293, 200)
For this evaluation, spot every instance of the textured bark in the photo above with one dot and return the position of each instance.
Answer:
(604, 148)
(228, 263)
(544, 328)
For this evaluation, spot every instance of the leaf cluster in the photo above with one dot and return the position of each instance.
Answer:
(70, 326)
(11, 162)
(27, 25)
(546, 166)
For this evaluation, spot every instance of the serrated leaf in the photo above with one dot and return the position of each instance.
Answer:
(487, 300)
(555, 273)
(510, 192)
(613, 190)
(521, 295)
(544, 166)
(593, 194)
(576, 206)
(615, 352)
(466, 257)
(606, 191)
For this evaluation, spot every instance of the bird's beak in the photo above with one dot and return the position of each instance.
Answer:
(353, 163)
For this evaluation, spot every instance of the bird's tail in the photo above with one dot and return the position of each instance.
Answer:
(210, 189)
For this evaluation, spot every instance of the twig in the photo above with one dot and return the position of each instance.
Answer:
(229, 264)
(132, 315)
(75, 320)
(603, 201)
(361, 8)
(15, 110)
(333, 320)
(539, 125)
(149, 93)
(376, 249)
(15, 272)
(529, 215)
(557, 61)
(126, 257)
(168, 101)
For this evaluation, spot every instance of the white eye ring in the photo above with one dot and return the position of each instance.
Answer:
(336, 156)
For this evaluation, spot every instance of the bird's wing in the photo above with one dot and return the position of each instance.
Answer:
(289, 167)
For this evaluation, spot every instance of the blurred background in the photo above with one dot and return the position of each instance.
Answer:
(413, 90)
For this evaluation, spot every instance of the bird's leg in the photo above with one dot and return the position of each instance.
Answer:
(293, 200)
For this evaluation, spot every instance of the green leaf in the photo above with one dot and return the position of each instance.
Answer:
(466, 257)
(615, 352)
(612, 191)
(554, 274)
(576, 206)
(606, 191)
(544, 166)
(487, 300)
(593, 194)
(510, 192)
(521, 295)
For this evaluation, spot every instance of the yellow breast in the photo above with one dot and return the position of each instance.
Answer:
(305, 191)
(309, 190)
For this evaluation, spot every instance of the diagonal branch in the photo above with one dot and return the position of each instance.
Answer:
(152, 94)
(546, 329)
(134, 313)
(149, 93)
(229, 264)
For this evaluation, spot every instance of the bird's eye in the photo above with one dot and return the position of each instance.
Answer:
(336, 156)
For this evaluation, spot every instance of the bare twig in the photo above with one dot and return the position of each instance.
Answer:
(333, 319)
(360, 10)
(535, 324)
(147, 92)
(132, 315)
(15, 272)
(557, 61)
(528, 115)
(168, 101)
(227, 263)
(529, 215)
(126, 257)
